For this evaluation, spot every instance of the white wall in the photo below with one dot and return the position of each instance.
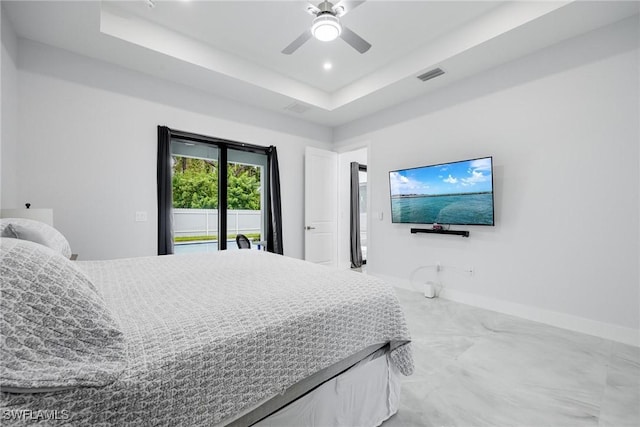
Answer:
(562, 125)
(563, 128)
(88, 137)
(8, 115)
(344, 202)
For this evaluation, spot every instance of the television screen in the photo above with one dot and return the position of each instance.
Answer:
(459, 193)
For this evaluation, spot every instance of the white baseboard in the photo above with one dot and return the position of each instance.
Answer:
(561, 320)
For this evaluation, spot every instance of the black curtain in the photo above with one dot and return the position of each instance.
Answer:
(274, 209)
(165, 200)
(356, 247)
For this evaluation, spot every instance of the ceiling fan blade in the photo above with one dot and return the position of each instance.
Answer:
(346, 6)
(354, 40)
(302, 38)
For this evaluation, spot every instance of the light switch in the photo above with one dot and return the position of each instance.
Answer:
(141, 216)
(380, 215)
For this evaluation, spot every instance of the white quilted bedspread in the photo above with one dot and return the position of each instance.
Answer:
(210, 335)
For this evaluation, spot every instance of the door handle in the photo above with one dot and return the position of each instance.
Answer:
(309, 228)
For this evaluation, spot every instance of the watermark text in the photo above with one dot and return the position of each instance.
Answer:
(30, 415)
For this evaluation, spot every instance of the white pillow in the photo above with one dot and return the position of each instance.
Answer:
(35, 231)
(56, 329)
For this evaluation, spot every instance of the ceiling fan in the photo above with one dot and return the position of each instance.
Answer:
(326, 26)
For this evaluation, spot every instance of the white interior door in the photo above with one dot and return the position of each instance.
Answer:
(321, 206)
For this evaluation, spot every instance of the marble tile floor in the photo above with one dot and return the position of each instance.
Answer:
(476, 368)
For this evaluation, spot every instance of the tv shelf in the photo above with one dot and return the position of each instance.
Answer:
(462, 233)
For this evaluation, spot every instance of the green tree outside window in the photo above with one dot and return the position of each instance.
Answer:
(195, 185)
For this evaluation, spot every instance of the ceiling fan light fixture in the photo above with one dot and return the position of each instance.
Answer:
(326, 27)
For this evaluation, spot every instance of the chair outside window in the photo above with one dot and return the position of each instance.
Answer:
(243, 242)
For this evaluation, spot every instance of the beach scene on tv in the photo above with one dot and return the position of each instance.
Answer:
(451, 193)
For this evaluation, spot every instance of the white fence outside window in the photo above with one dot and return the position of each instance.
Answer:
(201, 222)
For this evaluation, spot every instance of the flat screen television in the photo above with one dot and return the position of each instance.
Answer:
(458, 193)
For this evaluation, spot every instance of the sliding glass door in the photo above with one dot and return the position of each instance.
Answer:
(210, 190)
(217, 194)
(245, 196)
(194, 184)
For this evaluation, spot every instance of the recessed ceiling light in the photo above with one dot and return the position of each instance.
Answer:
(327, 65)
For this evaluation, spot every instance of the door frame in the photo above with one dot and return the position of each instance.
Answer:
(358, 152)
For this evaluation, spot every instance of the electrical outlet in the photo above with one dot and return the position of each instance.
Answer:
(141, 216)
(470, 271)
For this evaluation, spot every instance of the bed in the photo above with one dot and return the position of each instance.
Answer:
(233, 338)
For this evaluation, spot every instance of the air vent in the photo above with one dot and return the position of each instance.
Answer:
(431, 74)
(296, 107)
